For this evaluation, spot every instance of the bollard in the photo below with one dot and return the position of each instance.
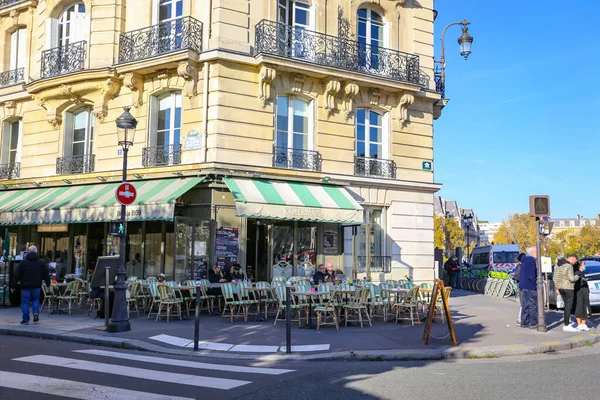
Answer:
(197, 318)
(106, 294)
(288, 321)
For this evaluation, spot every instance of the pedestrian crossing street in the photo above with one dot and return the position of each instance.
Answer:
(190, 376)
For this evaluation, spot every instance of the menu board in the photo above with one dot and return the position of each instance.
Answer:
(226, 246)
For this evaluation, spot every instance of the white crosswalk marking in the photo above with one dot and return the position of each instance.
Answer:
(121, 370)
(188, 364)
(74, 389)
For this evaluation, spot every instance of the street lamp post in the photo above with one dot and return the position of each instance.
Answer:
(120, 320)
(467, 223)
(465, 41)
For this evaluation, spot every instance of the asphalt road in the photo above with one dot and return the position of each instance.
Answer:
(45, 369)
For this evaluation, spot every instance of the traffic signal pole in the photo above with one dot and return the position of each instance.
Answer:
(540, 284)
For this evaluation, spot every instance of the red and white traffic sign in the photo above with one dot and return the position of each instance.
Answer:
(126, 193)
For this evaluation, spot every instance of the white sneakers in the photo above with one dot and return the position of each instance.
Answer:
(582, 327)
(569, 328)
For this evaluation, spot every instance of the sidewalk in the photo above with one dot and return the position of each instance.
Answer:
(484, 326)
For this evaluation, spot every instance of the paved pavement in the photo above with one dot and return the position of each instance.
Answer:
(484, 327)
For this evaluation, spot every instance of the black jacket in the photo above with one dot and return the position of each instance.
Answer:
(318, 277)
(239, 277)
(581, 282)
(32, 271)
(214, 278)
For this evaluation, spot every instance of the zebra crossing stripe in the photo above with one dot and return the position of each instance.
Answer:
(74, 389)
(132, 372)
(187, 364)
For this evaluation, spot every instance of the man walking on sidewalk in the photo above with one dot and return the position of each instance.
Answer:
(30, 273)
(528, 289)
(564, 280)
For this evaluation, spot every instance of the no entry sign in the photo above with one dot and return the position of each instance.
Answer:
(125, 193)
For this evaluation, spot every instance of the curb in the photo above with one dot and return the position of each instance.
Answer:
(585, 339)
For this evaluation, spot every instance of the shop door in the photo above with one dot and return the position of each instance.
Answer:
(293, 249)
(191, 249)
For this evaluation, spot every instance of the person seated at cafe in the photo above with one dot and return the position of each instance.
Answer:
(319, 276)
(237, 274)
(216, 275)
(330, 272)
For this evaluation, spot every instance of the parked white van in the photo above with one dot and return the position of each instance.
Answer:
(495, 257)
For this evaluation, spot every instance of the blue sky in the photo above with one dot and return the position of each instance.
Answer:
(524, 110)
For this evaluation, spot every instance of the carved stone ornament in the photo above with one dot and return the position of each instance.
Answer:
(67, 91)
(53, 116)
(405, 101)
(266, 76)
(351, 90)
(298, 83)
(135, 83)
(189, 72)
(108, 90)
(374, 95)
(14, 14)
(332, 88)
(10, 108)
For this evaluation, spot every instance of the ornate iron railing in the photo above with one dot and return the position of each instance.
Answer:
(10, 171)
(162, 155)
(8, 3)
(337, 52)
(178, 34)
(11, 77)
(75, 164)
(284, 157)
(64, 59)
(440, 85)
(365, 166)
(379, 264)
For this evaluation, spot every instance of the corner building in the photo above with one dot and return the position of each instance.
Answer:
(276, 133)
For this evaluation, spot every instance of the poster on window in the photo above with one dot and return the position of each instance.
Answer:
(226, 246)
(330, 242)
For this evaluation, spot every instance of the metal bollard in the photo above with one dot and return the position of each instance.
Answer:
(197, 318)
(106, 294)
(288, 321)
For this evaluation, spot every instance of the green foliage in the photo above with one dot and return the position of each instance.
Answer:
(438, 232)
(520, 229)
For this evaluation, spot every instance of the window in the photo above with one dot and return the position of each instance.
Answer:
(294, 13)
(371, 37)
(593, 223)
(371, 137)
(298, 15)
(373, 241)
(11, 142)
(571, 223)
(71, 25)
(294, 136)
(18, 45)
(78, 154)
(166, 10)
(165, 137)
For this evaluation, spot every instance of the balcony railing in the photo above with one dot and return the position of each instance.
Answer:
(162, 155)
(8, 3)
(64, 59)
(12, 77)
(294, 42)
(10, 171)
(178, 34)
(379, 264)
(296, 159)
(440, 85)
(365, 166)
(75, 164)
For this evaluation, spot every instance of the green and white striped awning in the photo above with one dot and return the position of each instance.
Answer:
(261, 198)
(92, 203)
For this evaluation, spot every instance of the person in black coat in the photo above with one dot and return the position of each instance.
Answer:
(319, 276)
(582, 297)
(30, 274)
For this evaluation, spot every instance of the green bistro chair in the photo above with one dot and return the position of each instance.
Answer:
(248, 296)
(267, 297)
(278, 279)
(326, 290)
(151, 279)
(303, 300)
(358, 306)
(229, 291)
(376, 303)
(410, 305)
(328, 310)
(132, 301)
(280, 292)
(70, 295)
(154, 298)
(169, 300)
(392, 282)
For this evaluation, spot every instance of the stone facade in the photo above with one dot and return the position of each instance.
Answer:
(230, 61)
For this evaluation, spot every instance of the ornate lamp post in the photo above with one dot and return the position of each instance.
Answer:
(465, 41)
(120, 321)
(467, 220)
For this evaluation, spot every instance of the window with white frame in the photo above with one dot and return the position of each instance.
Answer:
(296, 19)
(11, 141)
(294, 133)
(78, 153)
(371, 134)
(18, 45)
(371, 240)
(372, 35)
(168, 14)
(70, 27)
(165, 135)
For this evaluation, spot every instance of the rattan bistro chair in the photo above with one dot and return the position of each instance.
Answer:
(281, 297)
(229, 291)
(328, 310)
(410, 305)
(71, 295)
(356, 306)
(168, 300)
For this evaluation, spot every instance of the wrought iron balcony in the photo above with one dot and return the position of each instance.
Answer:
(166, 37)
(12, 77)
(365, 166)
(10, 171)
(75, 164)
(161, 155)
(294, 42)
(64, 59)
(379, 264)
(440, 85)
(296, 159)
(8, 3)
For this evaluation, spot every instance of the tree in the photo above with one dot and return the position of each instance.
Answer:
(520, 229)
(438, 232)
(589, 240)
(453, 235)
